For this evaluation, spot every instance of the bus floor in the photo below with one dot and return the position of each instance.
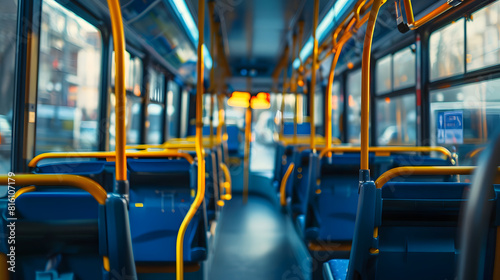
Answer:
(253, 241)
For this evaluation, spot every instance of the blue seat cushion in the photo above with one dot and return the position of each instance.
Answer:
(335, 269)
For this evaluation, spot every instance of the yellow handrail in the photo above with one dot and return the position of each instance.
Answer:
(305, 140)
(388, 150)
(76, 181)
(423, 170)
(119, 47)
(144, 147)
(23, 191)
(476, 152)
(430, 16)
(211, 8)
(365, 83)
(110, 155)
(328, 115)
(313, 74)
(200, 194)
(227, 185)
(296, 113)
(283, 184)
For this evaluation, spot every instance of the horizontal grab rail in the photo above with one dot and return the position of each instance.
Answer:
(304, 140)
(111, 155)
(76, 181)
(423, 170)
(389, 150)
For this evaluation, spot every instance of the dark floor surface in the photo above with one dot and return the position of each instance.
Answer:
(252, 243)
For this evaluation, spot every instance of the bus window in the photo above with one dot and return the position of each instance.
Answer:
(384, 75)
(155, 121)
(404, 68)
(483, 42)
(173, 110)
(7, 68)
(68, 91)
(337, 109)
(133, 111)
(396, 120)
(354, 107)
(155, 124)
(207, 110)
(319, 107)
(465, 116)
(396, 114)
(446, 49)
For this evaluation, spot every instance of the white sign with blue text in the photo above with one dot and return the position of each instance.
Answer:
(450, 127)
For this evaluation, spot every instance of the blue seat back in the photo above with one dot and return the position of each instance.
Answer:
(161, 193)
(233, 140)
(409, 230)
(302, 128)
(305, 164)
(333, 211)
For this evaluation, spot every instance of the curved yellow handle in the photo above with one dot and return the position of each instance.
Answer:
(475, 152)
(423, 170)
(76, 181)
(365, 83)
(283, 184)
(430, 16)
(24, 190)
(111, 155)
(387, 150)
(227, 185)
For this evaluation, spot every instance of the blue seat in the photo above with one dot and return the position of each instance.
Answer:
(233, 140)
(302, 128)
(332, 211)
(161, 192)
(335, 269)
(211, 181)
(70, 231)
(408, 230)
(101, 171)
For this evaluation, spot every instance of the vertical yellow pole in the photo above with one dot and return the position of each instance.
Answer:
(313, 76)
(246, 157)
(200, 193)
(119, 47)
(293, 83)
(409, 12)
(365, 84)
(328, 100)
(285, 70)
(211, 7)
(296, 114)
(293, 88)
